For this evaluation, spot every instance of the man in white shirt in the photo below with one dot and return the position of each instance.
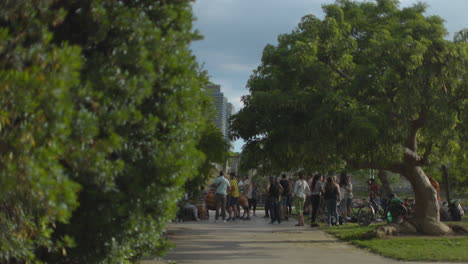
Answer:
(222, 185)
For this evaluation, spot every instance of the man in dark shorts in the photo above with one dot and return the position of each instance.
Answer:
(285, 197)
(274, 192)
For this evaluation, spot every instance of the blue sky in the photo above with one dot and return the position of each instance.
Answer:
(236, 31)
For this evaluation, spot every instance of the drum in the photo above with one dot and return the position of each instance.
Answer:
(210, 200)
(202, 212)
(243, 201)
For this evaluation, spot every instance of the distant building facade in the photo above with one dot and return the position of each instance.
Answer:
(223, 109)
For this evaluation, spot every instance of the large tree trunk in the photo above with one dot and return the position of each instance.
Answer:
(426, 212)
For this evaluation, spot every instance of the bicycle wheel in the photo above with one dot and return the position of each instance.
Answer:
(355, 206)
(365, 215)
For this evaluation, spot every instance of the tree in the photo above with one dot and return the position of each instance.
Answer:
(102, 107)
(215, 149)
(140, 103)
(35, 124)
(371, 85)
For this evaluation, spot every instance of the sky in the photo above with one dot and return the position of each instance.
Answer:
(236, 31)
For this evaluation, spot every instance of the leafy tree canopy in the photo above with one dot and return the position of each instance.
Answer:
(356, 87)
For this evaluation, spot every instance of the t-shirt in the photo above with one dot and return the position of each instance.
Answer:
(373, 190)
(285, 184)
(241, 186)
(348, 191)
(254, 191)
(248, 189)
(301, 188)
(234, 188)
(317, 188)
(333, 194)
(273, 190)
(223, 185)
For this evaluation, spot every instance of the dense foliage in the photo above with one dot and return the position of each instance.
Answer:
(354, 86)
(369, 86)
(215, 149)
(101, 117)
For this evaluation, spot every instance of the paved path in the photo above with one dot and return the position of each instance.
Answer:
(257, 241)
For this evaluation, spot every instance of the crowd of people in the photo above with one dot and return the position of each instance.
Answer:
(330, 197)
(233, 193)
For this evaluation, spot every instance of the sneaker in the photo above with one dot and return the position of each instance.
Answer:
(272, 222)
(215, 221)
(314, 225)
(224, 221)
(247, 218)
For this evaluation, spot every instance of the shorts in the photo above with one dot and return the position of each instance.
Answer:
(233, 201)
(299, 203)
(284, 200)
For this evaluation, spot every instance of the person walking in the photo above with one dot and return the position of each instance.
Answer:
(332, 194)
(316, 192)
(221, 184)
(301, 189)
(274, 192)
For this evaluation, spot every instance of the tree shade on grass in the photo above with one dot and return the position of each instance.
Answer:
(370, 86)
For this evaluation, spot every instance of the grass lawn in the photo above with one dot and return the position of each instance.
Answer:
(411, 248)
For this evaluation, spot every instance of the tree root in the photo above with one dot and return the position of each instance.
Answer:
(391, 230)
(459, 230)
(434, 228)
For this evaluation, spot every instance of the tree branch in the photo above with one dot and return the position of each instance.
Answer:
(340, 72)
(396, 167)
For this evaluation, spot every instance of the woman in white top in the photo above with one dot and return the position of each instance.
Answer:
(301, 190)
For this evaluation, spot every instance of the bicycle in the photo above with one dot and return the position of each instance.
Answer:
(370, 212)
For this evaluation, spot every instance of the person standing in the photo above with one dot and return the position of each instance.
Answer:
(253, 197)
(285, 196)
(301, 189)
(316, 191)
(274, 192)
(373, 189)
(234, 212)
(221, 184)
(267, 199)
(348, 196)
(332, 194)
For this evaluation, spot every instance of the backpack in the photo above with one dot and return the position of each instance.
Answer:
(454, 212)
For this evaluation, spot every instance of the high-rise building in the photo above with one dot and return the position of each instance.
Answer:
(224, 109)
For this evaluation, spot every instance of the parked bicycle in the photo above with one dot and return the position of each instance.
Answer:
(396, 211)
(370, 212)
